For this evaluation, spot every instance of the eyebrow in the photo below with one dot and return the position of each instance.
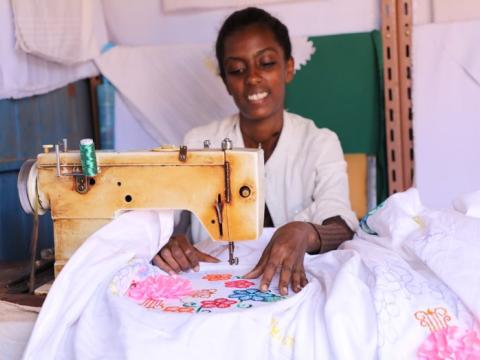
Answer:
(259, 52)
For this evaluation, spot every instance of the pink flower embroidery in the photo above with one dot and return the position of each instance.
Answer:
(241, 284)
(159, 287)
(216, 277)
(178, 309)
(221, 303)
(451, 342)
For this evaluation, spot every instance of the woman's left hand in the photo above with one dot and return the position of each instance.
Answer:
(284, 253)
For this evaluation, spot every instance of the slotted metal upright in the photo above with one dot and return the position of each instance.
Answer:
(396, 18)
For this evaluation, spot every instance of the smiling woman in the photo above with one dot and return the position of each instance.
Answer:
(306, 181)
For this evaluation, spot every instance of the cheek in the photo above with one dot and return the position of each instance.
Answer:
(234, 88)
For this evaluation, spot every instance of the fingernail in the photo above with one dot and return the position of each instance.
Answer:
(196, 268)
(284, 290)
(264, 288)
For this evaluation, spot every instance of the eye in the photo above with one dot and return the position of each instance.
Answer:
(268, 64)
(235, 70)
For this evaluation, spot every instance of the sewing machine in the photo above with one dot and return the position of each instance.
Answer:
(222, 187)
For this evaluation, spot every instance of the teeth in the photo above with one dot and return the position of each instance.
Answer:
(256, 97)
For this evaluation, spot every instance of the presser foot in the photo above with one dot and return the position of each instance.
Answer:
(232, 260)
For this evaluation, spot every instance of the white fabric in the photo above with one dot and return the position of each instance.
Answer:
(175, 5)
(468, 204)
(23, 75)
(446, 93)
(67, 32)
(305, 177)
(171, 89)
(362, 299)
(140, 233)
(455, 10)
(16, 324)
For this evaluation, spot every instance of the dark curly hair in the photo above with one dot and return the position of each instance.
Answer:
(251, 16)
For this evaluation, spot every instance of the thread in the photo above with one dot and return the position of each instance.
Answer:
(88, 157)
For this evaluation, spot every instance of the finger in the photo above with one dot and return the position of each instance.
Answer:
(258, 269)
(297, 279)
(285, 276)
(191, 255)
(303, 278)
(167, 256)
(158, 261)
(180, 257)
(270, 270)
(207, 258)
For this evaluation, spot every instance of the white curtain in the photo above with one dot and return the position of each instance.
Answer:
(170, 89)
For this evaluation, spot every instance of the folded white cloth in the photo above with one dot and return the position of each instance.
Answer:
(67, 32)
(22, 74)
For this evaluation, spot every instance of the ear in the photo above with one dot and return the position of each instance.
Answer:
(290, 70)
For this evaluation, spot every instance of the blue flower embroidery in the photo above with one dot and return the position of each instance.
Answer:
(254, 295)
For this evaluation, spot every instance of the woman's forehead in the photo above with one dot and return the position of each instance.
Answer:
(252, 38)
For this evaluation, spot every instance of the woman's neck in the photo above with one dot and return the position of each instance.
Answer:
(262, 133)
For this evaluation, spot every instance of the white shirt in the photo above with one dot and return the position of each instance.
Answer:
(305, 177)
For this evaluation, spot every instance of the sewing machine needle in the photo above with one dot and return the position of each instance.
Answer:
(232, 260)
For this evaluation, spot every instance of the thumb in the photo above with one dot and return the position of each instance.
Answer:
(255, 272)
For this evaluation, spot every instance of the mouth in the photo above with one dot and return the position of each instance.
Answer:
(257, 97)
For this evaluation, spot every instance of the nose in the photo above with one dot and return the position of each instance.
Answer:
(253, 76)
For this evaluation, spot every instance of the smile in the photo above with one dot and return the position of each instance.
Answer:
(258, 96)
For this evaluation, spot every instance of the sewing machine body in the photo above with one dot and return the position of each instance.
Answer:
(223, 188)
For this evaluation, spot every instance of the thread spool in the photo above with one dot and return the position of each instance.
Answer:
(88, 157)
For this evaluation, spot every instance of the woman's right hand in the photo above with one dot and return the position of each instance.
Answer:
(180, 255)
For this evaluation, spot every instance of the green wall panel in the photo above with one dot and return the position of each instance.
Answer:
(341, 88)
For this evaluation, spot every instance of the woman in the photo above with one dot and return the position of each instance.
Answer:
(306, 180)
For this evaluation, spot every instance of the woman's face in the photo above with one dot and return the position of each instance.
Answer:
(256, 72)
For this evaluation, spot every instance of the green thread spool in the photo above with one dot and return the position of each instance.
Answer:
(88, 157)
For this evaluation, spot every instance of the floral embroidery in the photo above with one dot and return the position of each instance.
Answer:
(363, 221)
(221, 303)
(444, 341)
(179, 309)
(150, 288)
(276, 334)
(153, 304)
(435, 319)
(203, 293)
(216, 277)
(241, 284)
(159, 287)
(255, 295)
(451, 342)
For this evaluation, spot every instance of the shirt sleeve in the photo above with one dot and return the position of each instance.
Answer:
(332, 233)
(330, 197)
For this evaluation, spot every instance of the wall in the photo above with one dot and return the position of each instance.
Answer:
(25, 125)
(129, 24)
